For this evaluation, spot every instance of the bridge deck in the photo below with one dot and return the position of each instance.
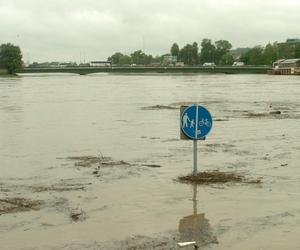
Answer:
(139, 69)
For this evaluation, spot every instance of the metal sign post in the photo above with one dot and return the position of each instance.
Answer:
(195, 171)
(195, 124)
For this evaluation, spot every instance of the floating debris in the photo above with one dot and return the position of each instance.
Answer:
(277, 112)
(3, 188)
(158, 107)
(152, 165)
(221, 120)
(188, 243)
(95, 172)
(60, 187)
(77, 215)
(13, 205)
(216, 177)
(112, 163)
(187, 103)
(252, 115)
(272, 114)
(90, 161)
(87, 161)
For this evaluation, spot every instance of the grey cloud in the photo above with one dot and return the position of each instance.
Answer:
(64, 29)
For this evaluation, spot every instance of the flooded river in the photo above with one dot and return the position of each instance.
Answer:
(90, 162)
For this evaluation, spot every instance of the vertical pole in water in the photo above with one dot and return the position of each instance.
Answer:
(195, 143)
(195, 199)
(195, 157)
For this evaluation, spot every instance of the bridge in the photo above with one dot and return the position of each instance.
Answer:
(149, 69)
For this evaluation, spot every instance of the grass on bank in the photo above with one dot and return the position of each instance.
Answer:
(6, 75)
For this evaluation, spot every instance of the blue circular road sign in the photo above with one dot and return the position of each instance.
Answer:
(196, 122)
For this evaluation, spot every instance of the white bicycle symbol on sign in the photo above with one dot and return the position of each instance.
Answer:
(205, 122)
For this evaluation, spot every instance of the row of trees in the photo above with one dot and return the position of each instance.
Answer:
(260, 55)
(137, 57)
(190, 54)
(10, 57)
(219, 52)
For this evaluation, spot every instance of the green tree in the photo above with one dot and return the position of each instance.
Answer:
(125, 60)
(140, 58)
(270, 53)
(175, 50)
(195, 53)
(11, 57)
(254, 56)
(116, 58)
(222, 48)
(208, 51)
(148, 59)
(189, 54)
(285, 51)
(186, 54)
(137, 57)
(297, 51)
(226, 59)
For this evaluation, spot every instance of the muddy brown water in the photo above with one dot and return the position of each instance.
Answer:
(48, 120)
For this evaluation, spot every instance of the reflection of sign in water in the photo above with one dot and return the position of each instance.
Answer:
(196, 227)
(196, 122)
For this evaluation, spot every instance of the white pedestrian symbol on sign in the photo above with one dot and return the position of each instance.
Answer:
(185, 120)
(192, 124)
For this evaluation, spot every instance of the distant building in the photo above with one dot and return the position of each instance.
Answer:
(286, 67)
(237, 53)
(155, 64)
(54, 65)
(287, 63)
(168, 59)
(209, 64)
(179, 64)
(292, 40)
(100, 63)
(64, 65)
(238, 64)
(84, 65)
(277, 63)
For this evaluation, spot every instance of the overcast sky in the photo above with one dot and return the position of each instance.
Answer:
(70, 30)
